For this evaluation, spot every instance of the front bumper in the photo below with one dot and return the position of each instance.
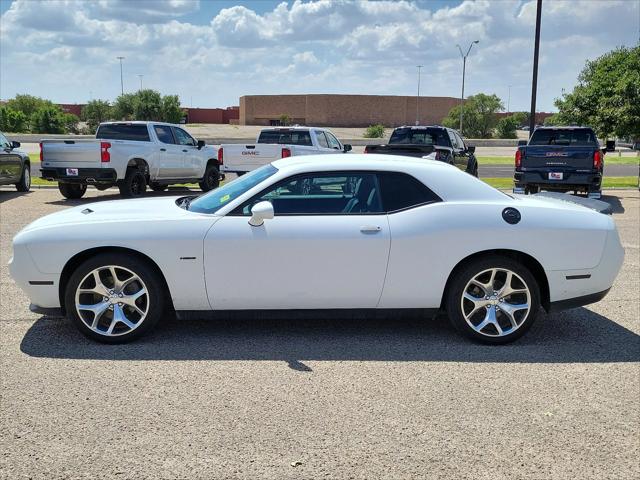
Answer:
(85, 175)
(570, 181)
(41, 288)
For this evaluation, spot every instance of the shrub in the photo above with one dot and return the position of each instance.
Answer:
(12, 120)
(48, 119)
(95, 112)
(506, 127)
(374, 131)
(285, 119)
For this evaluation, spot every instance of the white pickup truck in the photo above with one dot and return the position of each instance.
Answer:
(278, 142)
(130, 155)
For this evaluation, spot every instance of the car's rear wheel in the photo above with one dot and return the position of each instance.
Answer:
(72, 191)
(115, 298)
(134, 183)
(211, 178)
(494, 299)
(25, 179)
(158, 187)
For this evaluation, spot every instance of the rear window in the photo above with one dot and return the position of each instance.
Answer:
(420, 136)
(559, 136)
(288, 137)
(123, 131)
(401, 191)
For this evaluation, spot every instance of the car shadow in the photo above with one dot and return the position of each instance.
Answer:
(9, 195)
(172, 192)
(574, 336)
(616, 204)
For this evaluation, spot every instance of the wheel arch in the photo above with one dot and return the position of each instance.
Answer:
(80, 257)
(140, 163)
(527, 260)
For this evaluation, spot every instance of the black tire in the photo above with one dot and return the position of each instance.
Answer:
(454, 300)
(155, 302)
(24, 185)
(158, 187)
(72, 191)
(134, 183)
(211, 178)
(531, 189)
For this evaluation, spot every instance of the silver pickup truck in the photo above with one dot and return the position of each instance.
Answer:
(130, 155)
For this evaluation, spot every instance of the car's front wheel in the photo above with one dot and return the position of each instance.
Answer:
(115, 298)
(211, 178)
(494, 299)
(25, 179)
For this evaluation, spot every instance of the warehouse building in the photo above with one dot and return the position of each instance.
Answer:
(343, 110)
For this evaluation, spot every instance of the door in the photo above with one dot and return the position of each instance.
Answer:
(459, 158)
(334, 144)
(194, 163)
(326, 247)
(10, 163)
(323, 143)
(171, 164)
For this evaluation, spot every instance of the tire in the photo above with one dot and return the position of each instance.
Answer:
(211, 178)
(24, 185)
(157, 187)
(134, 184)
(72, 191)
(110, 302)
(532, 189)
(490, 318)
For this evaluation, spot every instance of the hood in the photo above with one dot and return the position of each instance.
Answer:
(157, 208)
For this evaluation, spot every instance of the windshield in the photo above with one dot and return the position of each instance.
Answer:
(214, 200)
(556, 136)
(285, 137)
(420, 136)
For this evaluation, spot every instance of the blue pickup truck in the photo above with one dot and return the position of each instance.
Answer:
(560, 159)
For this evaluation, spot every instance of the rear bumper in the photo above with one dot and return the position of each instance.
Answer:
(591, 180)
(85, 175)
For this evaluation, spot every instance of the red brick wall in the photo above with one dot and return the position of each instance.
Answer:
(74, 108)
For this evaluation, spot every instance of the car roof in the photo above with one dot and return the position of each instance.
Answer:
(139, 122)
(295, 127)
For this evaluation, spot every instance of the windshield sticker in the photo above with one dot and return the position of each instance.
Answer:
(225, 198)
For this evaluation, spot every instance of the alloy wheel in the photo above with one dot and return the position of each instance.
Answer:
(496, 302)
(112, 300)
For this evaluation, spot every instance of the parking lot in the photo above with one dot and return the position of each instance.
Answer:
(255, 398)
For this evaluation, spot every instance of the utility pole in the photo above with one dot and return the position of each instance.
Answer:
(464, 67)
(419, 67)
(534, 81)
(509, 99)
(121, 80)
(140, 77)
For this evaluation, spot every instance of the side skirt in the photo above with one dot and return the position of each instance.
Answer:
(346, 314)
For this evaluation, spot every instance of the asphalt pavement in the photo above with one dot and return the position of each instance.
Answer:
(318, 398)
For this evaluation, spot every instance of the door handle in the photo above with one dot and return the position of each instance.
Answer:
(185, 151)
(370, 228)
(163, 149)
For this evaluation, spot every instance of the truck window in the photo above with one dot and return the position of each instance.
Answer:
(567, 136)
(286, 137)
(420, 136)
(183, 138)
(322, 140)
(333, 141)
(164, 133)
(123, 131)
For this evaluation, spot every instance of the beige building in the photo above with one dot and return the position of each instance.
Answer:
(343, 110)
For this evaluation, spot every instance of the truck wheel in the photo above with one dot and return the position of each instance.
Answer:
(134, 183)
(158, 187)
(531, 190)
(25, 180)
(211, 178)
(72, 191)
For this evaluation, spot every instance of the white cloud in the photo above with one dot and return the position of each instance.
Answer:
(64, 49)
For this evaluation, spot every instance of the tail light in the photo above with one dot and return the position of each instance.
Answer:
(40, 151)
(105, 156)
(286, 152)
(597, 159)
(366, 149)
(220, 156)
(518, 158)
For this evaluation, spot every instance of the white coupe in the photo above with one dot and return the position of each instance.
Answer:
(365, 232)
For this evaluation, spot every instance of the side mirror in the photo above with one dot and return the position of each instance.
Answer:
(15, 144)
(347, 147)
(260, 212)
(522, 143)
(471, 148)
(200, 144)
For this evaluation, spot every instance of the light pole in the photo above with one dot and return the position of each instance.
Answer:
(464, 66)
(419, 67)
(121, 80)
(509, 99)
(534, 80)
(140, 75)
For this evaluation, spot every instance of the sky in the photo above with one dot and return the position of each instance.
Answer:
(212, 52)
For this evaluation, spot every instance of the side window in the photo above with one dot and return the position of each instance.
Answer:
(401, 191)
(460, 142)
(326, 193)
(333, 141)
(322, 140)
(182, 137)
(164, 133)
(454, 141)
(4, 143)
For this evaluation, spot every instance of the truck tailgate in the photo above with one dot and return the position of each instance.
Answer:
(570, 158)
(244, 158)
(70, 153)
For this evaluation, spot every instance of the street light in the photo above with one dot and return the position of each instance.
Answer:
(464, 66)
(419, 67)
(121, 80)
(140, 75)
(509, 99)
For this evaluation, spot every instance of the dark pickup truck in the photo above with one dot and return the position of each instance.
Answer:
(560, 159)
(434, 142)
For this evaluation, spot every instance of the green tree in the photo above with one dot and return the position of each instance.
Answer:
(607, 97)
(124, 107)
(27, 104)
(506, 127)
(96, 112)
(70, 123)
(12, 120)
(521, 118)
(479, 115)
(171, 110)
(285, 119)
(48, 119)
(147, 105)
